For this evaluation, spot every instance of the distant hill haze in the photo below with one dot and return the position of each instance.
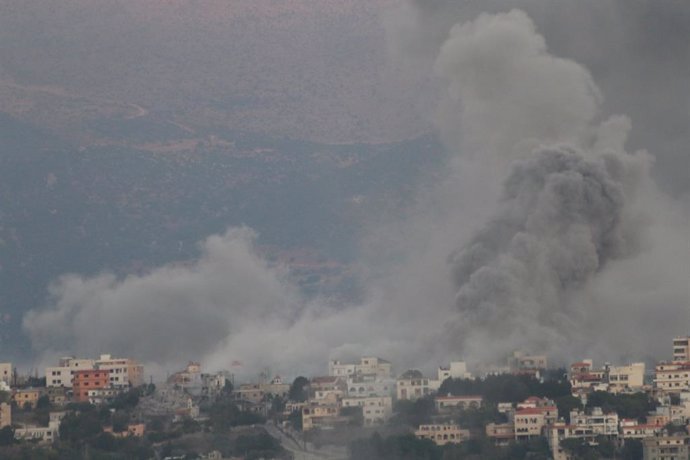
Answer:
(302, 68)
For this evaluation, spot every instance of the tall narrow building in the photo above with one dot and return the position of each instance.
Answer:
(681, 349)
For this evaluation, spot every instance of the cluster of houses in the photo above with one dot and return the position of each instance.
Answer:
(94, 381)
(363, 392)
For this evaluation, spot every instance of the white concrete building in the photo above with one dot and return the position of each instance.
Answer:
(61, 375)
(456, 370)
(41, 434)
(375, 410)
(632, 429)
(598, 422)
(672, 377)
(124, 372)
(681, 349)
(365, 386)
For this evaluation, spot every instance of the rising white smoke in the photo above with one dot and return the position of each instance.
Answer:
(552, 217)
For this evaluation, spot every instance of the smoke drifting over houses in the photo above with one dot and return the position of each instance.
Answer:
(545, 235)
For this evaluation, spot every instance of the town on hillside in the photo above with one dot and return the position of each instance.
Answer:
(104, 408)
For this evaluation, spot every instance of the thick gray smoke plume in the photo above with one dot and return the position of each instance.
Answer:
(562, 219)
(567, 256)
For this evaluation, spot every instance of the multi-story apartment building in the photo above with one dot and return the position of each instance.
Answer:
(533, 416)
(86, 381)
(621, 378)
(375, 410)
(583, 377)
(62, 374)
(665, 448)
(442, 434)
(6, 373)
(366, 386)
(681, 349)
(124, 372)
(597, 421)
(632, 429)
(672, 377)
(529, 423)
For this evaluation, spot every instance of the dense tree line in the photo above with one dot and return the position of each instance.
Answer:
(508, 387)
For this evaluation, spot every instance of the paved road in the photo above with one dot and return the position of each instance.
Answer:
(298, 450)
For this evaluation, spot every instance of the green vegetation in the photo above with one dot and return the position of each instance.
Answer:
(225, 415)
(635, 405)
(298, 390)
(413, 413)
(507, 388)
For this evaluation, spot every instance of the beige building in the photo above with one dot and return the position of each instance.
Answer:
(413, 385)
(375, 410)
(5, 415)
(599, 423)
(62, 374)
(6, 373)
(665, 448)
(630, 377)
(450, 403)
(124, 372)
(672, 377)
(442, 434)
(501, 433)
(531, 422)
(368, 365)
(681, 349)
(321, 416)
(250, 392)
(27, 396)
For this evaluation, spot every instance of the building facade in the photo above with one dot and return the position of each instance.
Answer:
(665, 448)
(375, 410)
(442, 434)
(124, 372)
(86, 381)
(62, 374)
(672, 377)
(681, 349)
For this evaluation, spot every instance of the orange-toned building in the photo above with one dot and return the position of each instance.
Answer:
(84, 381)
